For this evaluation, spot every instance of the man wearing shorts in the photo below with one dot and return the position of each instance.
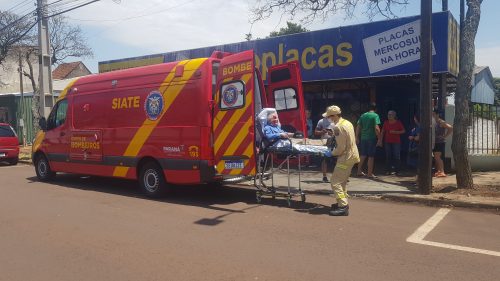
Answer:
(367, 133)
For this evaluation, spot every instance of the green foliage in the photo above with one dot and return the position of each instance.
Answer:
(485, 111)
(290, 28)
(496, 86)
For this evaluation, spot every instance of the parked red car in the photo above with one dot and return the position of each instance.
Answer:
(9, 144)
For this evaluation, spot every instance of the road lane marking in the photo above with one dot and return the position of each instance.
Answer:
(418, 236)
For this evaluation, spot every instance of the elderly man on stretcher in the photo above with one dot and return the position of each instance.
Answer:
(280, 140)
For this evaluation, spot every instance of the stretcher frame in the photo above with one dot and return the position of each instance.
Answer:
(264, 190)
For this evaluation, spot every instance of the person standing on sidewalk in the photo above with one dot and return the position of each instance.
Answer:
(391, 140)
(309, 124)
(442, 131)
(414, 138)
(347, 155)
(322, 132)
(367, 133)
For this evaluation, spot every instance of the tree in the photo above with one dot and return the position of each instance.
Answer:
(290, 28)
(17, 35)
(65, 41)
(13, 31)
(462, 95)
(313, 9)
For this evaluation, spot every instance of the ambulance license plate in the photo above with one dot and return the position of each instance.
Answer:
(234, 164)
(2, 154)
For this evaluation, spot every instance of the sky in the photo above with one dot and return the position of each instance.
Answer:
(133, 28)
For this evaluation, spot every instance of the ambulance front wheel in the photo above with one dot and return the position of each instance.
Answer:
(152, 180)
(42, 169)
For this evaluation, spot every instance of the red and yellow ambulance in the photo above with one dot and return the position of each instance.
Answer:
(185, 122)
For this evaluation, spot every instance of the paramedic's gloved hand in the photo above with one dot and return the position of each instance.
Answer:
(328, 153)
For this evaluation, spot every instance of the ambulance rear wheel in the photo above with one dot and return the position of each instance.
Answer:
(152, 180)
(42, 169)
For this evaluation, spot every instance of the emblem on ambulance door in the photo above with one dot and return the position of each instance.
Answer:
(153, 105)
(230, 96)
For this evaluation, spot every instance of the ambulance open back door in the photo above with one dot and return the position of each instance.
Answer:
(235, 106)
(285, 94)
(233, 124)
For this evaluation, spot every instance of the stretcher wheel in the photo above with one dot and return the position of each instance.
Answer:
(258, 197)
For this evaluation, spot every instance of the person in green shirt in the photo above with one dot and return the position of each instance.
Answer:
(367, 134)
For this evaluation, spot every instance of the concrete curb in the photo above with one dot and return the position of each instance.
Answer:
(442, 201)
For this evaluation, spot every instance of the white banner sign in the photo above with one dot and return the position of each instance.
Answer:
(393, 47)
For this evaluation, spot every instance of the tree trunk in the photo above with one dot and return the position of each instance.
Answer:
(462, 95)
(35, 103)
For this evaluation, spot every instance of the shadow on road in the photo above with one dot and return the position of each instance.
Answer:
(205, 196)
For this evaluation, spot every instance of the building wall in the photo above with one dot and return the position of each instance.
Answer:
(482, 91)
(9, 75)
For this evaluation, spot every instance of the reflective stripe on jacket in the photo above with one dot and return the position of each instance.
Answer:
(346, 149)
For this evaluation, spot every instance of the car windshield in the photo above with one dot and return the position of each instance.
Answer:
(6, 131)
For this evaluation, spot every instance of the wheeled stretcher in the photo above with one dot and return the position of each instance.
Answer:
(288, 149)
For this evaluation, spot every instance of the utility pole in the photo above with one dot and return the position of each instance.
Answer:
(442, 77)
(21, 90)
(462, 20)
(44, 73)
(425, 143)
(445, 5)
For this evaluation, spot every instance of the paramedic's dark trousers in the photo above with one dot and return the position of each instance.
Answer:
(338, 181)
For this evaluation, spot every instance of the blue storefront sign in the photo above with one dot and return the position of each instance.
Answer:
(384, 48)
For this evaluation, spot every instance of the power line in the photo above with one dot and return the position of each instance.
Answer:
(18, 5)
(58, 5)
(49, 16)
(17, 20)
(139, 16)
(72, 8)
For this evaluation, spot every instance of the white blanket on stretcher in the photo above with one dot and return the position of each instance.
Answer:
(286, 146)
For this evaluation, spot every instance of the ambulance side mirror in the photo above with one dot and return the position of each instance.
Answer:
(43, 124)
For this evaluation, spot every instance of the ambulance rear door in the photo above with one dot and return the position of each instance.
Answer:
(233, 123)
(285, 93)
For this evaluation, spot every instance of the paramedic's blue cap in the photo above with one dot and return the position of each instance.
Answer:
(332, 110)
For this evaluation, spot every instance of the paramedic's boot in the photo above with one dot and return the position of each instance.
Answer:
(335, 206)
(340, 211)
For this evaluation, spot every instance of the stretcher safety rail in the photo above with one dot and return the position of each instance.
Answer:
(290, 149)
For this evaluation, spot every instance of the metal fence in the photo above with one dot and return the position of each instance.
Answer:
(483, 136)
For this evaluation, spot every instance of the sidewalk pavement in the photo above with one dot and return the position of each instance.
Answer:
(396, 188)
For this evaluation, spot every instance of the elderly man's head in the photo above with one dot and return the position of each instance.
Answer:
(272, 118)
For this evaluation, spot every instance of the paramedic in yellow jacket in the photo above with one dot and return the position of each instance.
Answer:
(347, 155)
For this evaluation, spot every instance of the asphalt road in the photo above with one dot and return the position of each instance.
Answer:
(81, 228)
